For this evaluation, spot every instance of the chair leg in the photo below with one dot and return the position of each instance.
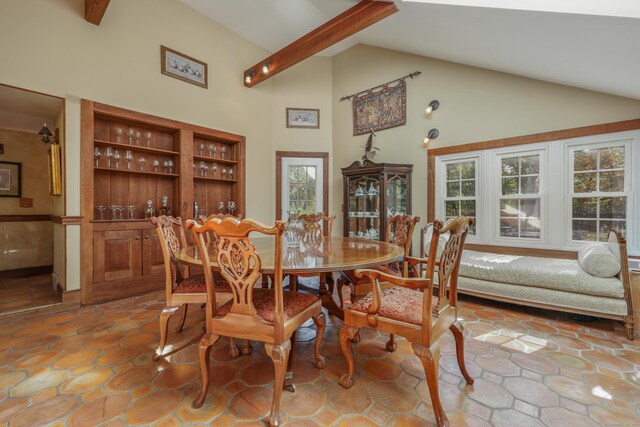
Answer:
(204, 350)
(247, 349)
(280, 355)
(320, 321)
(183, 317)
(429, 358)
(456, 329)
(347, 334)
(166, 314)
(233, 350)
(391, 344)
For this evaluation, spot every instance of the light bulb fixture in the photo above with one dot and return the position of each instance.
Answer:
(266, 66)
(431, 135)
(249, 77)
(433, 106)
(46, 135)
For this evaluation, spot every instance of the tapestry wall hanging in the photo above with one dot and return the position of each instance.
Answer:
(381, 109)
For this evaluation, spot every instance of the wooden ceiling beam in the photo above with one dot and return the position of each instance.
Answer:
(360, 16)
(94, 10)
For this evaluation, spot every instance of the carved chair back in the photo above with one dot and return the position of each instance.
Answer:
(316, 225)
(202, 219)
(240, 266)
(402, 227)
(172, 238)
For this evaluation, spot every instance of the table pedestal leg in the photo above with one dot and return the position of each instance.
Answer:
(326, 295)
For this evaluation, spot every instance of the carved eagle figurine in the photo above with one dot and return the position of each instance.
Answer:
(369, 154)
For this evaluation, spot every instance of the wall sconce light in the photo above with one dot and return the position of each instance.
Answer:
(265, 67)
(249, 77)
(46, 135)
(433, 106)
(431, 135)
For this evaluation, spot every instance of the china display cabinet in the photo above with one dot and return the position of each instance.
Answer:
(135, 166)
(372, 193)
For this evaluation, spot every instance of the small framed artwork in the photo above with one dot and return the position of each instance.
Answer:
(183, 67)
(10, 179)
(308, 118)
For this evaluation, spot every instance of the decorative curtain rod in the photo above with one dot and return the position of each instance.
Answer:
(410, 75)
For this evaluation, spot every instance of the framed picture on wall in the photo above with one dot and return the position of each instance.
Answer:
(10, 179)
(308, 118)
(183, 67)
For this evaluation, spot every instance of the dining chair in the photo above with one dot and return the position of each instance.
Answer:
(316, 226)
(268, 315)
(181, 288)
(411, 309)
(202, 219)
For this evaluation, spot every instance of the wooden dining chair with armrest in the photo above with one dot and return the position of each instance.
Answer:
(411, 310)
(268, 315)
(181, 288)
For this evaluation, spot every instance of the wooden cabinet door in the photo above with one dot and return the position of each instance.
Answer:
(152, 260)
(117, 255)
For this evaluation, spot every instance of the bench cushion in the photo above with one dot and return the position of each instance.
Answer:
(550, 273)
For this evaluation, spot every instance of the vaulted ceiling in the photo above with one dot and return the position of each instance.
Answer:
(589, 44)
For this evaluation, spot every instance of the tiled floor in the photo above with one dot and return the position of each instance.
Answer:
(22, 293)
(92, 366)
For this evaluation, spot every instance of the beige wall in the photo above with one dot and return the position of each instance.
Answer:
(26, 148)
(475, 105)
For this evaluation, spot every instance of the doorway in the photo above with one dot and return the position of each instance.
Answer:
(302, 183)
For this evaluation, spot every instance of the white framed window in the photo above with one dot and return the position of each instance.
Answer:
(460, 189)
(520, 196)
(599, 190)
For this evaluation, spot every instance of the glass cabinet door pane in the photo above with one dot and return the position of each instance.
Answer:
(396, 195)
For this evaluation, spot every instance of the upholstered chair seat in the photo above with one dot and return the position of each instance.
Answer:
(294, 304)
(195, 285)
(401, 304)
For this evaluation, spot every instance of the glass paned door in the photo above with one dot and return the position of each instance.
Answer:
(301, 185)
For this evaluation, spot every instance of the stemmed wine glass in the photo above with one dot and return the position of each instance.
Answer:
(128, 156)
(212, 150)
(214, 169)
(231, 206)
(96, 155)
(203, 168)
(170, 165)
(116, 158)
(141, 162)
(100, 209)
(156, 165)
(130, 132)
(109, 154)
(118, 134)
(148, 135)
(230, 173)
(137, 137)
(221, 207)
(224, 173)
(223, 152)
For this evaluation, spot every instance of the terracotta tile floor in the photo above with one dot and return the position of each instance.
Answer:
(92, 366)
(21, 293)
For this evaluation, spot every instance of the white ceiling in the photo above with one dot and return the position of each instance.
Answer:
(592, 44)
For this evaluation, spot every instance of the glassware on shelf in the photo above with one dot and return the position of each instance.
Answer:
(114, 212)
(100, 209)
(294, 231)
(141, 162)
(165, 165)
(231, 206)
(109, 154)
(138, 137)
(148, 136)
(118, 134)
(148, 210)
(214, 169)
(230, 173)
(212, 150)
(203, 168)
(132, 212)
(128, 156)
(201, 149)
(221, 207)
(223, 152)
(131, 133)
(116, 158)
(224, 173)
(170, 165)
(96, 155)
(372, 190)
(155, 164)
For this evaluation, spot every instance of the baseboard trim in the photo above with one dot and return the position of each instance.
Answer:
(71, 297)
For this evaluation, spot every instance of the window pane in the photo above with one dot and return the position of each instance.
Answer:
(509, 207)
(586, 207)
(530, 165)
(468, 208)
(584, 229)
(530, 185)
(530, 208)
(612, 158)
(510, 166)
(509, 227)
(613, 207)
(509, 186)
(612, 181)
(453, 171)
(453, 189)
(468, 170)
(530, 228)
(584, 182)
(452, 208)
(585, 160)
(468, 188)
(605, 226)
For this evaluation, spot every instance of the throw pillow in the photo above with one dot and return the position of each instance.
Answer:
(597, 260)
